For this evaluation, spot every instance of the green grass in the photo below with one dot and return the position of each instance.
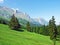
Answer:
(12, 37)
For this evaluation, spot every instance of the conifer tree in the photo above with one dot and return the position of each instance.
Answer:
(53, 30)
(38, 31)
(28, 27)
(14, 24)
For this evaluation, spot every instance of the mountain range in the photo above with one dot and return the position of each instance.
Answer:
(23, 18)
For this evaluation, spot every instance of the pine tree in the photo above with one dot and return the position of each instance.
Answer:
(53, 29)
(50, 29)
(14, 24)
(45, 30)
(38, 31)
(28, 26)
(0, 20)
(58, 28)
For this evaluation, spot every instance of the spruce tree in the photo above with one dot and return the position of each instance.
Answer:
(28, 26)
(58, 28)
(38, 31)
(14, 24)
(45, 30)
(53, 30)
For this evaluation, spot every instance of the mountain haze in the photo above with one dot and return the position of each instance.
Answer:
(6, 13)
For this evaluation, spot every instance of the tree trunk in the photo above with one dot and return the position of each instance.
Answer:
(54, 41)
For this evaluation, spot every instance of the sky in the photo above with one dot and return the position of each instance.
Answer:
(36, 8)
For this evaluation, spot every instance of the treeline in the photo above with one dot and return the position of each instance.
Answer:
(4, 21)
(51, 29)
(42, 29)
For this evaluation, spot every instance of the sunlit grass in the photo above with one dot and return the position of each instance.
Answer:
(12, 37)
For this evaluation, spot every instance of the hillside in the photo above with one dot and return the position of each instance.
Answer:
(11, 37)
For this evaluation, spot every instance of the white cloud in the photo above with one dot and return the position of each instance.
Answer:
(15, 9)
(1, 1)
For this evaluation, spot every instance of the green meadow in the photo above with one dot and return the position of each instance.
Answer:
(12, 37)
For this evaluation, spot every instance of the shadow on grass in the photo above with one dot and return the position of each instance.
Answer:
(58, 39)
(19, 30)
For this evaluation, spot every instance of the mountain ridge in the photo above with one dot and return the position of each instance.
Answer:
(8, 12)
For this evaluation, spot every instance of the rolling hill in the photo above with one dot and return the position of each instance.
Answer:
(12, 37)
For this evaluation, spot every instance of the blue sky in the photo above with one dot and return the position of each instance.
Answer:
(36, 8)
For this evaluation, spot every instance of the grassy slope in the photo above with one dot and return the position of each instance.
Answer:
(11, 37)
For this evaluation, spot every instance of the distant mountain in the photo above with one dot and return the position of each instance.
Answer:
(41, 21)
(23, 18)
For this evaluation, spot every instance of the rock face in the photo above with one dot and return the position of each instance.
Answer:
(6, 13)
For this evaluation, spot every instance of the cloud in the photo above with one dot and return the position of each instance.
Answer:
(15, 9)
(1, 1)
